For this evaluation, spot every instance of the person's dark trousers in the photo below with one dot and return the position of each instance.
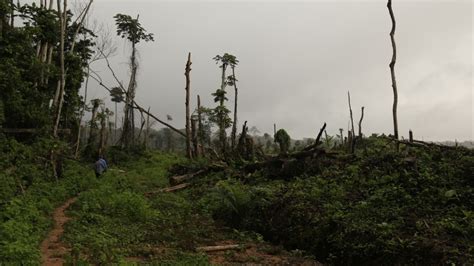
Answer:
(97, 175)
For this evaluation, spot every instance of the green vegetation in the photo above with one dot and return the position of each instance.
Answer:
(377, 207)
(283, 139)
(126, 218)
(25, 216)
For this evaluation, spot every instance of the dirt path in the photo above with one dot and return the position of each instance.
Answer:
(52, 249)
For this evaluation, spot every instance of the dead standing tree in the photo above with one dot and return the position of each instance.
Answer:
(189, 152)
(392, 71)
(201, 134)
(360, 122)
(352, 132)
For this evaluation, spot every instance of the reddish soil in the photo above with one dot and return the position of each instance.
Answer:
(52, 249)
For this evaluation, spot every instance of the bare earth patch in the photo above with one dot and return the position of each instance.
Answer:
(52, 249)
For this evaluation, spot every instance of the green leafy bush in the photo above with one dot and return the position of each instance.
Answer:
(412, 207)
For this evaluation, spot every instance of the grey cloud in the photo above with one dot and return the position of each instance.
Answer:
(299, 59)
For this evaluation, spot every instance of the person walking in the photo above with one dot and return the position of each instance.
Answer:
(100, 167)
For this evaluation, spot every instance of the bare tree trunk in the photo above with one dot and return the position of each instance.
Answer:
(201, 138)
(195, 138)
(103, 132)
(93, 125)
(12, 15)
(49, 60)
(352, 139)
(128, 134)
(188, 112)
(360, 122)
(142, 124)
(392, 71)
(243, 136)
(234, 126)
(78, 139)
(62, 82)
(115, 126)
(410, 135)
(341, 131)
(222, 133)
(147, 130)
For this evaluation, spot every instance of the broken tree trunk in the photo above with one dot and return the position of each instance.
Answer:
(352, 139)
(243, 136)
(234, 125)
(201, 138)
(410, 136)
(392, 71)
(360, 122)
(196, 151)
(188, 112)
(318, 139)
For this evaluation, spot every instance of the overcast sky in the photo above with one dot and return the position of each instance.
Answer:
(298, 59)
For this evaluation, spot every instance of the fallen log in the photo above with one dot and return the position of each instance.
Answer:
(176, 188)
(217, 248)
(424, 144)
(174, 180)
(168, 189)
(183, 176)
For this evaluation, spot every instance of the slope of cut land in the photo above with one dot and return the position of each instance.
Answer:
(131, 218)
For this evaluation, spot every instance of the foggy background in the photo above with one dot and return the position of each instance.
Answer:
(298, 59)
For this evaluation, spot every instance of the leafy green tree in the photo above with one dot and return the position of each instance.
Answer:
(221, 112)
(232, 81)
(131, 29)
(283, 139)
(117, 96)
(29, 71)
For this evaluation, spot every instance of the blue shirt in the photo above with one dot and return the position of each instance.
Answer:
(100, 166)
